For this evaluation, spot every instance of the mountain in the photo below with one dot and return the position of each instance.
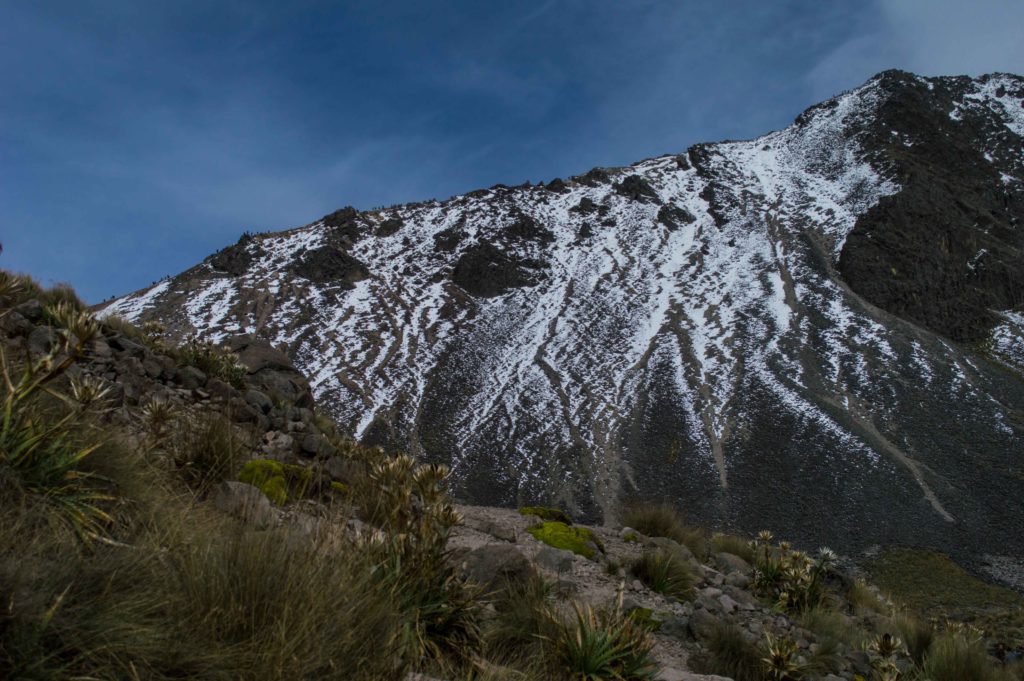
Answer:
(819, 331)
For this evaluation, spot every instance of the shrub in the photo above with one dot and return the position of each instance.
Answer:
(206, 450)
(863, 598)
(664, 572)
(793, 580)
(522, 618)
(662, 520)
(410, 556)
(917, 635)
(956, 657)
(730, 653)
(212, 360)
(730, 543)
(203, 603)
(41, 428)
(579, 540)
(781, 661)
(604, 644)
(60, 294)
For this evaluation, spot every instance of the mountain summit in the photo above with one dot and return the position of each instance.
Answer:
(819, 331)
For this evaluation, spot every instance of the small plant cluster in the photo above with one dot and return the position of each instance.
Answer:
(41, 446)
(790, 578)
(605, 644)
(662, 520)
(212, 360)
(414, 517)
(665, 572)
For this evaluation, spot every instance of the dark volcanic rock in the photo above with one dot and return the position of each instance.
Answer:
(389, 227)
(236, 259)
(271, 370)
(485, 271)
(527, 229)
(344, 226)
(557, 185)
(331, 265)
(586, 206)
(948, 249)
(674, 216)
(636, 188)
(448, 239)
(594, 178)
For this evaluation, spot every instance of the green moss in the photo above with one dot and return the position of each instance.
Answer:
(299, 479)
(268, 476)
(631, 538)
(280, 482)
(561, 536)
(545, 513)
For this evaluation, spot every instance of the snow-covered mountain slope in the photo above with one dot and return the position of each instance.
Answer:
(818, 331)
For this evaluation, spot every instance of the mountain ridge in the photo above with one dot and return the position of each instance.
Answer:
(745, 329)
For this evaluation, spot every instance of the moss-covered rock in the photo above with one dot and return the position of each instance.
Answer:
(579, 540)
(279, 482)
(268, 477)
(545, 513)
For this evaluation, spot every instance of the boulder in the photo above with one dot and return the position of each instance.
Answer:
(258, 400)
(270, 370)
(497, 565)
(190, 378)
(245, 502)
(14, 324)
(32, 310)
(128, 346)
(556, 560)
(729, 563)
(315, 444)
(42, 340)
(702, 624)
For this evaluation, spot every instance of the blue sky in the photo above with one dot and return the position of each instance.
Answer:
(138, 137)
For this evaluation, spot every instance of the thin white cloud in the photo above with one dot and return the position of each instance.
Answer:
(928, 37)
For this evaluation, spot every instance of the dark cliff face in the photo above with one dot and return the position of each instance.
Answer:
(818, 331)
(947, 250)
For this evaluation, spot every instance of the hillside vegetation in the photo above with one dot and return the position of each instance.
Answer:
(182, 511)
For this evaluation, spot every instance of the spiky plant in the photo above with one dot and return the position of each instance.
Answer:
(38, 441)
(781, 661)
(885, 645)
(603, 644)
(416, 517)
(794, 580)
(158, 414)
(212, 360)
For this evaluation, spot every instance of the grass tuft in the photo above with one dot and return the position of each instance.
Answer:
(730, 653)
(666, 573)
(662, 520)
